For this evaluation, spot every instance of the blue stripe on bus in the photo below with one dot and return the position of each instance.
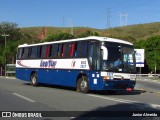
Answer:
(69, 77)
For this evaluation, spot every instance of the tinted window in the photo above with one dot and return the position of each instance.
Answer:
(59, 50)
(33, 52)
(25, 53)
(75, 54)
(43, 51)
(94, 55)
(49, 51)
(62, 50)
(19, 55)
(82, 49)
(48, 54)
(54, 50)
(67, 47)
(72, 49)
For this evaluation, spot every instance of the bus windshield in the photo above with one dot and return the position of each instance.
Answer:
(121, 58)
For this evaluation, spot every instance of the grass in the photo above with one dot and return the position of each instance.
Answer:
(130, 33)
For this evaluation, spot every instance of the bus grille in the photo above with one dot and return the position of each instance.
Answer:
(120, 86)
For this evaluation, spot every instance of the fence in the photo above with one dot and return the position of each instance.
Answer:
(148, 75)
(10, 69)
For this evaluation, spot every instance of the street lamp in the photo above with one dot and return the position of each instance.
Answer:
(5, 35)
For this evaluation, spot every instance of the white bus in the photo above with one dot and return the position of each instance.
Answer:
(84, 63)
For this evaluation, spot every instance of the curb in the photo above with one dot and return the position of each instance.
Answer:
(8, 77)
(150, 80)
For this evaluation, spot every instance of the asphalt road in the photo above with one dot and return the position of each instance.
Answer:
(148, 84)
(17, 95)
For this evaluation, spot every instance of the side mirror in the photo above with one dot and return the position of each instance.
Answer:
(104, 53)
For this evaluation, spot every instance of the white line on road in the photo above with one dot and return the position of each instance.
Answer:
(128, 101)
(114, 99)
(23, 97)
(11, 77)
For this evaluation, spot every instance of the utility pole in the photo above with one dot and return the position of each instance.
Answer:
(126, 19)
(5, 35)
(123, 19)
(63, 22)
(155, 64)
(71, 26)
(120, 17)
(108, 18)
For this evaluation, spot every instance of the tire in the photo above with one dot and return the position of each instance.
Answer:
(34, 79)
(83, 85)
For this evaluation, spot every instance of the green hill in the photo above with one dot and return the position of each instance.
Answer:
(129, 33)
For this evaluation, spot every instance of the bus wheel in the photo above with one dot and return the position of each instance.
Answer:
(82, 84)
(34, 79)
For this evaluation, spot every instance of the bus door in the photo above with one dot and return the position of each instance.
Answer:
(94, 55)
(94, 63)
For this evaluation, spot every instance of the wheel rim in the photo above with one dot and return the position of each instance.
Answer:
(34, 79)
(83, 85)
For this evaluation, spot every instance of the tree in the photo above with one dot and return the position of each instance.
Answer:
(88, 33)
(16, 36)
(11, 29)
(57, 37)
(152, 54)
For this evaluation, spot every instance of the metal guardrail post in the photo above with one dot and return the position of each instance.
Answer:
(1, 71)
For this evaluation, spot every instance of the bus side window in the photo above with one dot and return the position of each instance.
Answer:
(90, 55)
(30, 52)
(67, 48)
(71, 49)
(75, 50)
(50, 51)
(26, 50)
(48, 54)
(59, 50)
(82, 49)
(62, 51)
(54, 50)
(39, 51)
(20, 53)
(94, 55)
(33, 52)
(43, 51)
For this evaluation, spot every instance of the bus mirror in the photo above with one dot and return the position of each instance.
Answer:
(104, 53)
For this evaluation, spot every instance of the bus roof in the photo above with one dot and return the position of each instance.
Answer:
(107, 39)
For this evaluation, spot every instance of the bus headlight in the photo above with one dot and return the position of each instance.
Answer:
(107, 78)
(104, 77)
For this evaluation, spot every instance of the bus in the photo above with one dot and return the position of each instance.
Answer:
(84, 63)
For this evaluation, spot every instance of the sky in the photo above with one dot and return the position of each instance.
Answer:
(100, 14)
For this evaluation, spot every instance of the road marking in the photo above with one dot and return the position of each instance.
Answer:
(139, 89)
(23, 97)
(155, 106)
(128, 101)
(11, 77)
(72, 117)
(114, 99)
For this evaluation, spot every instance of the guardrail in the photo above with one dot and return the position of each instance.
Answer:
(10, 69)
(149, 75)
